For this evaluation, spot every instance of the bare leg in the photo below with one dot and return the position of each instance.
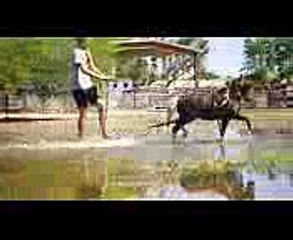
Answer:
(103, 120)
(81, 121)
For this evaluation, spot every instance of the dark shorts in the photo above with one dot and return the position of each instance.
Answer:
(83, 98)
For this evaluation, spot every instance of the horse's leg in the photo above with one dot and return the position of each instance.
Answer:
(170, 112)
(185, 132)
(175, 129)
(225, 122)
(246, 120)
(219, 125)
(187, 120)
(180, 123)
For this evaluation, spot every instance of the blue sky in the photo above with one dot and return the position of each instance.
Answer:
(225, 55)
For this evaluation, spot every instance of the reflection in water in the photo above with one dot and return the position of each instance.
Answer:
(272, 168)
(223, 152)
(291, 179)
(220, 152)
(252, 166)
(220, 177)
(151, 168)
(52, 180)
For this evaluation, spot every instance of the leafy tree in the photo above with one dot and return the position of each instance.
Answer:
(45, 63)
(267, 58)
(14, 67)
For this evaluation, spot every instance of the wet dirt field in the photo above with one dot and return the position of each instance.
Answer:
(45, 160)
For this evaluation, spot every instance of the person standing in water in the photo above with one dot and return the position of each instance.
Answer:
(84, 91)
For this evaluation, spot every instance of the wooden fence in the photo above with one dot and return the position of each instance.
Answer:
(146, 99)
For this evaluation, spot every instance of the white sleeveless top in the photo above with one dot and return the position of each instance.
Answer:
(80, 80)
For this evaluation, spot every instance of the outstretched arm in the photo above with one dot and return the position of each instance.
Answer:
(94, 67)
(89, 72)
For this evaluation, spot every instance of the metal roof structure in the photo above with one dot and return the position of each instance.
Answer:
(153, 47)
(159, 48)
